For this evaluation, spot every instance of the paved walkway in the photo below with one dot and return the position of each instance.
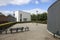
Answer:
(37, 32)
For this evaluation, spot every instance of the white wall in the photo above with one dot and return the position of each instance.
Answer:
(17, 16)
(24, 15)
(54, 18)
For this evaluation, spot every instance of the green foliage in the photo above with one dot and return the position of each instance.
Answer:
(43, 17)
(6, 25)
(39, 17)
(33, 17)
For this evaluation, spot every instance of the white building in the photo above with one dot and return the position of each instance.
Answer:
(22, 16)
(54, 18)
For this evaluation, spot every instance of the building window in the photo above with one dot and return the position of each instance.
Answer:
(25, 19)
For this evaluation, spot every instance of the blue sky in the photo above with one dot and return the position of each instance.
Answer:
(25, 5)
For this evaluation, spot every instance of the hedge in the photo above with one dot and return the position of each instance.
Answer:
(6, 25)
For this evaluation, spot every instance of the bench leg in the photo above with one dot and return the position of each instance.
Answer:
(6, 31)
(54, 35)
(22, 29)
(17, 30)
(11, 31)
(0, 32)
(25, 29)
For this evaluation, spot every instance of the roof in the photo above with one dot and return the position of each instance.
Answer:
(10, 16)
(1, 13)
(53, 4)
(23, 11)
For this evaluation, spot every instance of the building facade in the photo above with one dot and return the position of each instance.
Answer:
(11, 18)
(3, 18)
(22, 16)
(54, 18)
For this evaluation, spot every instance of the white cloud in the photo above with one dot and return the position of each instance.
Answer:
(16, 2)
(4, 2)
(36, 2)
(7, 12)
(20, 2)
(33, 11)
(44, 0)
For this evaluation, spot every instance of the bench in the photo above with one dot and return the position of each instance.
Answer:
(26, 28)
(16, 29)
(1, 31)
(21, 28)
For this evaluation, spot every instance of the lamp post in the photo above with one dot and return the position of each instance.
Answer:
(36, 17)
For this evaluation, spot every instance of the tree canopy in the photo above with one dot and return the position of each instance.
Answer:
(39, 17)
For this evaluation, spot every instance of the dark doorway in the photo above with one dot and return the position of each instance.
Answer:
(20, 17)
(20, 20)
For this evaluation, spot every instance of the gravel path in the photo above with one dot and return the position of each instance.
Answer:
(37, 32)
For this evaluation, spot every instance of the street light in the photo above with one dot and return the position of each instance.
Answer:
(36, 17)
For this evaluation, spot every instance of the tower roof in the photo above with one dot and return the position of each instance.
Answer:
(53, 4)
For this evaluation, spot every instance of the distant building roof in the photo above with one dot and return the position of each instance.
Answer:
(10, 16)
(1, 13)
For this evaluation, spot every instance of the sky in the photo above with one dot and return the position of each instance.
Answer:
(25, 5)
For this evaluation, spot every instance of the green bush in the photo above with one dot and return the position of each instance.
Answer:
(6, 25)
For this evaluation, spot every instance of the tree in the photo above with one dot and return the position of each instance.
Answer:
(43, 16)
(33, 17)
(39, 17)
